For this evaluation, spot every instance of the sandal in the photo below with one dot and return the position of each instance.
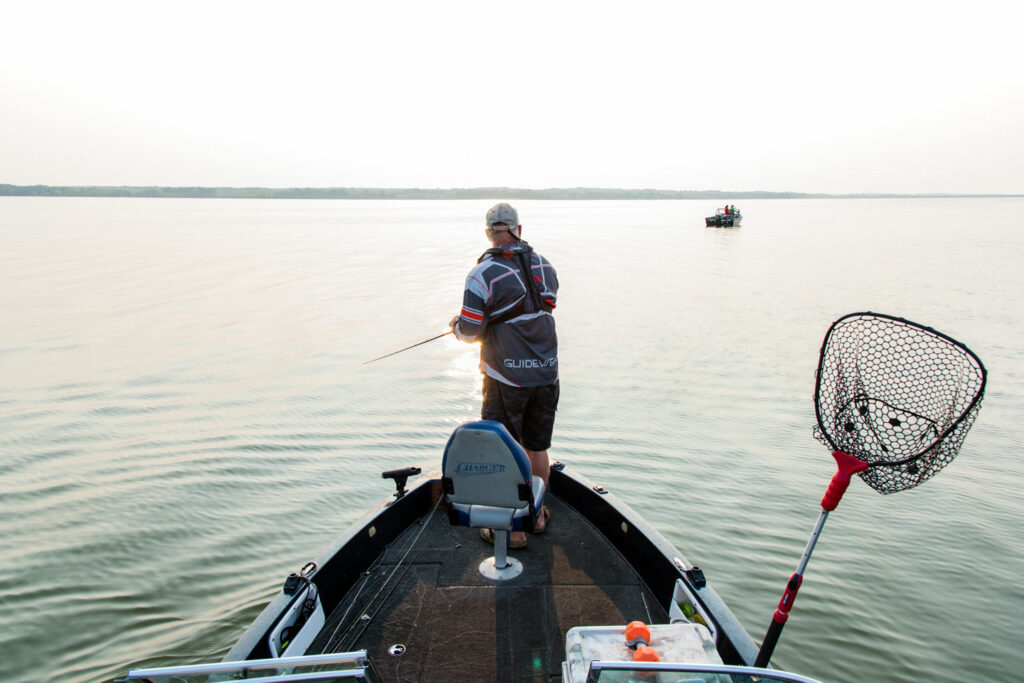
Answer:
(542, 523)
(488, 535)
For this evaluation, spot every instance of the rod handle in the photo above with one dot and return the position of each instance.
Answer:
(848, 466)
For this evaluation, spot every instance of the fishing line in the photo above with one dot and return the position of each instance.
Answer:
(384, 585)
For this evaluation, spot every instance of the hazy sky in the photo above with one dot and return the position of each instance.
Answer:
(819, 96)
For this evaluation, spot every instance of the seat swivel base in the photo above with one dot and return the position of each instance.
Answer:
(490, 570)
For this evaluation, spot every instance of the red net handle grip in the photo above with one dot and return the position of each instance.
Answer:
(848, 466)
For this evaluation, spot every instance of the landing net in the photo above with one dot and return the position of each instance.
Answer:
(896, 395)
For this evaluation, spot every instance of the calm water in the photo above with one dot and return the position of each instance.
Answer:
(185, 417)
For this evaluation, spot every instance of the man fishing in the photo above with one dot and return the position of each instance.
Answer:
(507, 306)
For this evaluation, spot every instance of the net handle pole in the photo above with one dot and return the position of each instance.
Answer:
(847, 466)
(771, 638)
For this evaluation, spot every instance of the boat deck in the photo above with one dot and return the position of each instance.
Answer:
(425, 593)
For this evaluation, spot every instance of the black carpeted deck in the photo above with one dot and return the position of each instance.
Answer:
(427, 594)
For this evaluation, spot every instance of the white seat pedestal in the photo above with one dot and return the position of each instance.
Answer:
(501, 567)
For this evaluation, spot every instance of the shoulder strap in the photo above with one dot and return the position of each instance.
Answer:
(532, 302)
(527, 272)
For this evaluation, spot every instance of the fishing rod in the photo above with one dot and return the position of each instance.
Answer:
(443, 334)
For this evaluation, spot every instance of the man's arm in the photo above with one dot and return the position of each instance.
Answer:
(469, 324)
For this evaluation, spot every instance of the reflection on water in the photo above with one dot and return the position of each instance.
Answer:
(187, 417)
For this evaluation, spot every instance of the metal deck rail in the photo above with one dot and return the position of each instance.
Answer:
(281, 670)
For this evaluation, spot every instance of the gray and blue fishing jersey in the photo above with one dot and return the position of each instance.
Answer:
(507, 305)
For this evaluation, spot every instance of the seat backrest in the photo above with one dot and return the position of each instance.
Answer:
(483, 465)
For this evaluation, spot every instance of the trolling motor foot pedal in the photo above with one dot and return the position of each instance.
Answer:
(400, 477)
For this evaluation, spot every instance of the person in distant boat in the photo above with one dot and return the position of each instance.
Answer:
(507, 305)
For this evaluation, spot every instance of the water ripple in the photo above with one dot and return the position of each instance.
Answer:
(185, 422)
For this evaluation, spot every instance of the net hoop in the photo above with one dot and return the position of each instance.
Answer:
(897, 395)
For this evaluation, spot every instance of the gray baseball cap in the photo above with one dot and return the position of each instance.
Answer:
(502, 213)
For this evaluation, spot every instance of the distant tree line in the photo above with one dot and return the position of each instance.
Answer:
(406, 193)
(376, 193)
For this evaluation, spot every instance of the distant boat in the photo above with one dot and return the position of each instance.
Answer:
(728, 217)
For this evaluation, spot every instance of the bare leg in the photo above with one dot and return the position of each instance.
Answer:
(540, 466)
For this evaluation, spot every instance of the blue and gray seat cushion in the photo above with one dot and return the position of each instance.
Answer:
(487, 479)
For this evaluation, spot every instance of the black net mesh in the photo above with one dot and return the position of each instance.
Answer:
(899, 396)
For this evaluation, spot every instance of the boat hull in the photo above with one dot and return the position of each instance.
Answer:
(723, 221)
(401, 574)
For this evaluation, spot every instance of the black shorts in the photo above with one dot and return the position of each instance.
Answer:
(528, 413)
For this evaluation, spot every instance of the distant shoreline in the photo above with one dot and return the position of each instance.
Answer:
(153, 191)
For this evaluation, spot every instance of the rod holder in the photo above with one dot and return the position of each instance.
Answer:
(400, 476)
